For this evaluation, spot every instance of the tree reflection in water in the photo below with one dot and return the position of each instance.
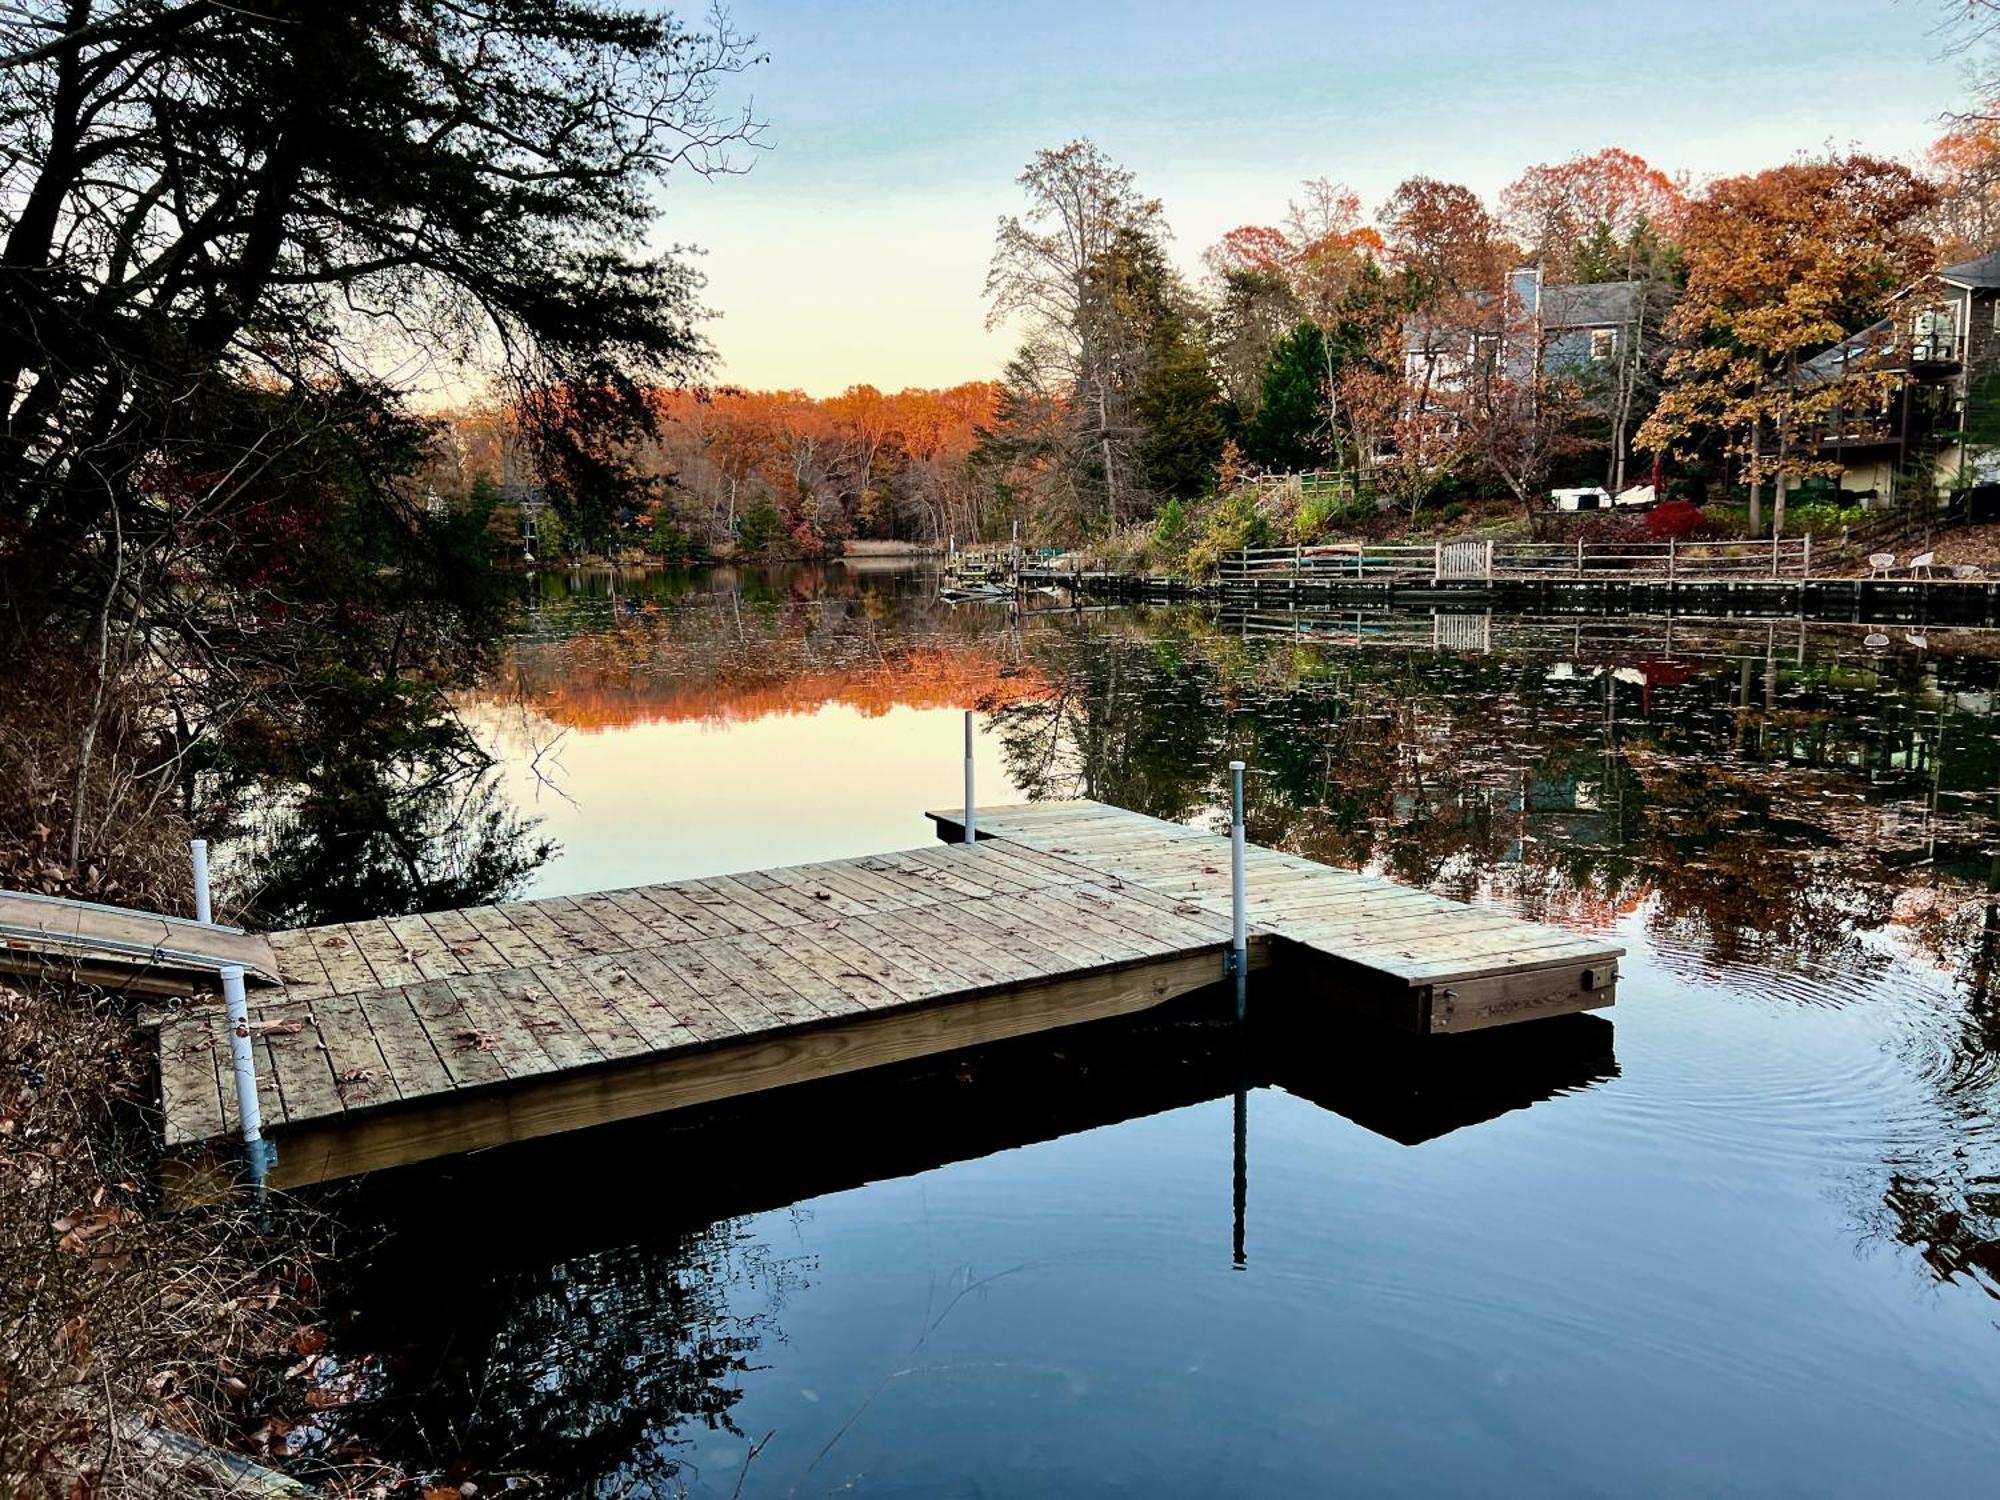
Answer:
(1769, 817)
(1781, 809)
(378, 840)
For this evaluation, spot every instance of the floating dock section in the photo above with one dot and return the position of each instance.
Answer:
(407, 1038)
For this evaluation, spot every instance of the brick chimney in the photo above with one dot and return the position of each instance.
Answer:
(1524, 292)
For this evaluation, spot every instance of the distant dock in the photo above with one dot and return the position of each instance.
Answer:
(408, 1038)
(1718, 578)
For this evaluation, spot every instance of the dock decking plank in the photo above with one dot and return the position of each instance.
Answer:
(385, 953)
(346, 969)
(681, 1000)
(406, 1043)
(625, 991)
(190, 1081)
(514, 946)
(495, 1028)
(753, 904)
(458, 1041)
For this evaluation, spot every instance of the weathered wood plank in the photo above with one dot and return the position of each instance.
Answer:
(423, 947)
(612, 914)
(406, 1044)
(702, 1020)
(299, 966)
(517, 949)
(537, 921)
(755, 906)
(530, 994)
(703, 920)
(616, 978)
(464, 1048)
(345, 967)
(387, 958)
(494, 1027)
(190, 1079)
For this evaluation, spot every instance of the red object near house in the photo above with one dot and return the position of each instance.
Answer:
(1675, 520)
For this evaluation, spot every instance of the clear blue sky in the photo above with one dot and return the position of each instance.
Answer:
(855, 249)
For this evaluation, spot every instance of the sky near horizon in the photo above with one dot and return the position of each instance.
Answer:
(856, 248)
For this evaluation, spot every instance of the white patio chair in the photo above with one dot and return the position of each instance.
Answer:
(1879, 564)
(1922, 563)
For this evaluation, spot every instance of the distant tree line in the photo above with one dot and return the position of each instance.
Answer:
(767, 472)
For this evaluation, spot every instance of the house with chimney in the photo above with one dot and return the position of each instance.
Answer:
(1571, 328)
(1529, 330)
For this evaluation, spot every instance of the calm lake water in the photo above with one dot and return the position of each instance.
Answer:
(1737, 1237)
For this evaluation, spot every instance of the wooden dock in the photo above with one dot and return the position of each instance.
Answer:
(408, 1038)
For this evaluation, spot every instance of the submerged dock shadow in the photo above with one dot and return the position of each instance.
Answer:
(767, 1151)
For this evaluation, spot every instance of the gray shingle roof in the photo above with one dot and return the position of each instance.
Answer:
(1983, 272)
(1601, 304)
(1853, 352)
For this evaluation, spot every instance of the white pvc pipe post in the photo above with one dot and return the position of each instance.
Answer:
(246, 1073)
(203, 913)
(971, 816)
(1239, 930)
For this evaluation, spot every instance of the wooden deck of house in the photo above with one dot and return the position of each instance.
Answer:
(407, 1038)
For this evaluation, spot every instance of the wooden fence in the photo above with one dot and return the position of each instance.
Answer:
(1485, 562)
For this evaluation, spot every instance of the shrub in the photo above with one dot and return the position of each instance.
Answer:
(1676, 520)
(1233, 525)
(1172, 521)
(1821, 517)
(1317, 514)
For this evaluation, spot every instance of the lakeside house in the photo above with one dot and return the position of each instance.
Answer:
(1571, 328)
(1940, 348)
(1588, 331)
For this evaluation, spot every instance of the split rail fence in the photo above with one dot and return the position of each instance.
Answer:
(1488, 561)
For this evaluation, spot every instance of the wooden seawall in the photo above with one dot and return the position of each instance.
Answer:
(407, 1038)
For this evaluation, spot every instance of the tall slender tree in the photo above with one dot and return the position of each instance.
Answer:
(1073, 272)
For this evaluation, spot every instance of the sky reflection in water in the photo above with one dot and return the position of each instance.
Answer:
(1738, 1238)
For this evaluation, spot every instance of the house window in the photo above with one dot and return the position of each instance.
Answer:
(1934, 335)
(1603, 343)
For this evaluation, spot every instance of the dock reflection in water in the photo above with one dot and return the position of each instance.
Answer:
(620, 1302)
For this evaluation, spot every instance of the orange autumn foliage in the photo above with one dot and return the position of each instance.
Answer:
(589, 700)
(1554, 208)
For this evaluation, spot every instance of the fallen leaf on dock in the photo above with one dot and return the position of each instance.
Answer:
(474, 1040)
